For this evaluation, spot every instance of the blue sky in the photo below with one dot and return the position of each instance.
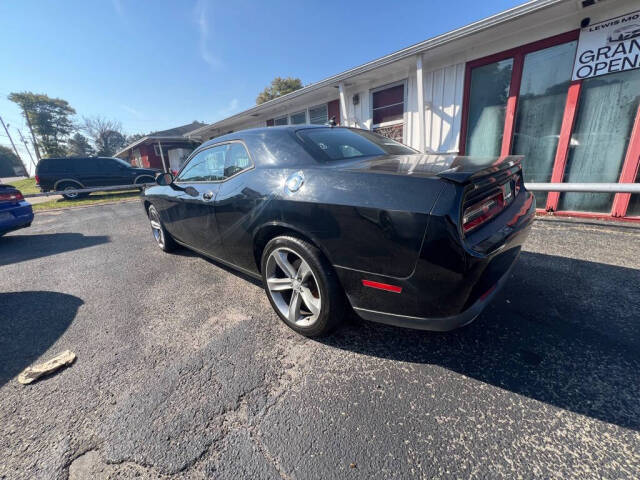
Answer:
(157, 64)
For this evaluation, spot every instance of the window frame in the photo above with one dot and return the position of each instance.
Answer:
(319, 105)
(199, 150)
(631, 162)
(304, 112)
(402, 82)
(275, 119)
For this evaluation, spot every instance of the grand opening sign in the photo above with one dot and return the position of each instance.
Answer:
(608, 47)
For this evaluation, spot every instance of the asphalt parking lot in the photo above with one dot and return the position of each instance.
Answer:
(184, 371)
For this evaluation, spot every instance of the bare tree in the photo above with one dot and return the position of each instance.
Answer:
(107, 135)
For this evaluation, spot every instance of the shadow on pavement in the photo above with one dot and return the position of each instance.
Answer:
(30, 322)
(565, 332)
(185, 252)
(19, 248)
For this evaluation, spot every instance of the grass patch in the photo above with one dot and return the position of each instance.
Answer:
(93, 199)
(26, 186)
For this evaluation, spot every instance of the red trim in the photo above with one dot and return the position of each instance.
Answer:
(512, 101)
(513, 52)
(595, 216)
(629, 169)
(528, 48)
(560, 162)
(382, 286)
(464, 119)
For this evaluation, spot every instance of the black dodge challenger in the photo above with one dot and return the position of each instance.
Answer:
(329, 217)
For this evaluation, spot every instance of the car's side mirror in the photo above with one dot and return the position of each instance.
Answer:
(164, 179)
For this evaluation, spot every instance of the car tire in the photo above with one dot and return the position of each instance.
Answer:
(163, 239)
(302, 287)
(70, 186)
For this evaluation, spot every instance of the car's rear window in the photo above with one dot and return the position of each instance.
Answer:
(344, 143)
(47, 165)
(66, 165)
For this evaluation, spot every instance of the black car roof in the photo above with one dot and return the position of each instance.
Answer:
(260, 131)
(74, 158)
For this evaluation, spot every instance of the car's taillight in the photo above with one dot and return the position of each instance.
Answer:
(37, 180)
(11, 197)
(480, 212)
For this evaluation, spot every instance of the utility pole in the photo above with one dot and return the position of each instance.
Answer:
(27, 149)
(33, 137)
(14, 147)
(10, 139)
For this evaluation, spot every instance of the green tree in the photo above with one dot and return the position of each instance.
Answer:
(78, 146)
(50, 119)
(135, 137)
(10, 164)
(107, 135)
(279, 86)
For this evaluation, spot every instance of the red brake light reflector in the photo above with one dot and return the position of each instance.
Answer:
(11, 197)
(382, 286)
(480, 212)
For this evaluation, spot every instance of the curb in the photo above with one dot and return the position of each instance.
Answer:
(36, 212)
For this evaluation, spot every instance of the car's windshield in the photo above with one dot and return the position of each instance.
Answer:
(343, 143)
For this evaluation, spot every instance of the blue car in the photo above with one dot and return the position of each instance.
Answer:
(15, 211)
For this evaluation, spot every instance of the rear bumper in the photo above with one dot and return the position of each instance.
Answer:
(16, 217)
(453, 279)
(442, 324)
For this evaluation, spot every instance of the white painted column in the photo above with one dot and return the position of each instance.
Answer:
(164, 164)
(343, 106)
(420, 92)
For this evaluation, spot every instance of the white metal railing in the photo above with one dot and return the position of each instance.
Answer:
(136, 186)
(533, 187)
(584, 187)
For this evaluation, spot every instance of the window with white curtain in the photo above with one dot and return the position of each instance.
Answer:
(546, 75)
(487, 108)
(298, 118)
(606, 112)
(319, 115)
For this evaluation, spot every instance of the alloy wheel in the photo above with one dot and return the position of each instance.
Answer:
(70, 195)
(293, 287)
(156, 227)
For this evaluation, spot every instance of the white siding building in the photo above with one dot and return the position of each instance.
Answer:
(505, 84)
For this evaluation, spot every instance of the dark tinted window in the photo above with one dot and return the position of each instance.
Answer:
(388, 105)
(236, 159)
(342, 143)
(78, 165)
(205, 166)
(216, 163)
(48, 165)
(107, 165)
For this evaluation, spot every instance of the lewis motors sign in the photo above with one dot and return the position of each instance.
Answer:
(608, 47)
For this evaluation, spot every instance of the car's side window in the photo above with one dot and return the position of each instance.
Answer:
(237, 159)
(106, 166)
(206, 166)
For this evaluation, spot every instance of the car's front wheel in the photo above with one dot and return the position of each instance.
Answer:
(302, 286)
(161, 236)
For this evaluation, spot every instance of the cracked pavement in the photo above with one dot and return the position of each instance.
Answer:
(184, 371)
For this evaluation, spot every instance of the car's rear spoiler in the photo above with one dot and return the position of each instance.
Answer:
(466, 169)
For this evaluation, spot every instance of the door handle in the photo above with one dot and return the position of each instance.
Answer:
(207, 195)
